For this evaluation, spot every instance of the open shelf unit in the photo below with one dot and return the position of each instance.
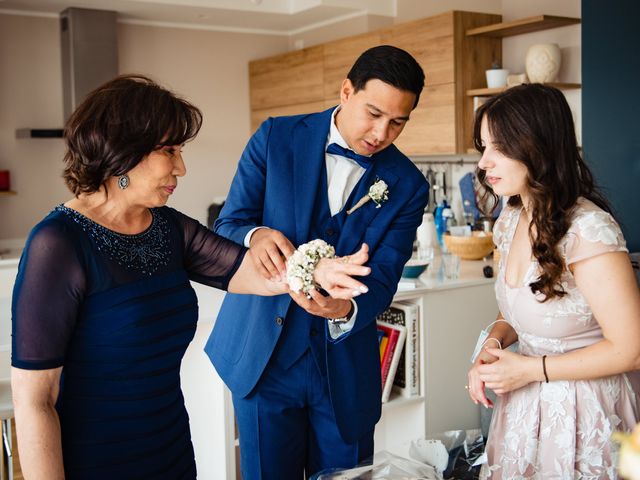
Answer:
(7, 193)
(524, 25)
(486, 92)
(519, 27)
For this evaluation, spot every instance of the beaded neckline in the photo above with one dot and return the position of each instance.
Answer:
(145, 252)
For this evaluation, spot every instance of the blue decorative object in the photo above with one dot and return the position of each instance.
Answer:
(468, 193)
(413, 270)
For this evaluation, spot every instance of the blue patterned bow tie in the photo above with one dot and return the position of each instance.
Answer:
(362, 160)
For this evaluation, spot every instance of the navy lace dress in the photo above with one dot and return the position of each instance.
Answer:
(117, 312)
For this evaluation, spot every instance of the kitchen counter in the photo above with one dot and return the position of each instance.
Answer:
(10, 251)
(433, 278)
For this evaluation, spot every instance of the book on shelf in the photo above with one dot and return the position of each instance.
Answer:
(384, 340)
(407, 379)
(387, 346)
(397, 337)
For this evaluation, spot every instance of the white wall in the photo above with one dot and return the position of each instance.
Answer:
(208, 68)
(30, 96)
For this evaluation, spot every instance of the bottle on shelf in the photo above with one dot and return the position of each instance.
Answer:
(441, 215)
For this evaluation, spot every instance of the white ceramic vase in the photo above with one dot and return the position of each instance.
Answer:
(543, 62)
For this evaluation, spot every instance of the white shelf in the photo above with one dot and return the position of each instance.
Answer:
(397, 400)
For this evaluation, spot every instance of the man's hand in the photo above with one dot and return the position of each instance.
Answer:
(269, 250)
(335, 275)
(322, 306)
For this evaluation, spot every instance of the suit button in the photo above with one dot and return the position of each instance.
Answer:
(314, 332)
(330, 231)
(279, 320)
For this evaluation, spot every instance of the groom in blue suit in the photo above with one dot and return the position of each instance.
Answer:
(305, 372)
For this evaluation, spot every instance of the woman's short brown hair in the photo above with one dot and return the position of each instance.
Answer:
(120, 123)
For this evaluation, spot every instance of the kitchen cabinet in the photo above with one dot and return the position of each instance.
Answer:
(338, 57)
(309, 80)
(286, 84)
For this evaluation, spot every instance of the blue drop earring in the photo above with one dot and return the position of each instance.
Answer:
(123, 181)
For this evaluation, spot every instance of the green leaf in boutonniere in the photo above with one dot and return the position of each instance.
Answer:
(378, 192)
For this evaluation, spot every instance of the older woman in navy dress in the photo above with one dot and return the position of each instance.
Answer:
(103, 309)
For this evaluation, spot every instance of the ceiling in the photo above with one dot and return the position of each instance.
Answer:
(278, 17)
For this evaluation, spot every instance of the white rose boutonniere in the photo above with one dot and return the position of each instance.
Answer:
(629, 455)
(378, 192)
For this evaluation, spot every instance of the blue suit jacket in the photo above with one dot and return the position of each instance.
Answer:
(275, 186)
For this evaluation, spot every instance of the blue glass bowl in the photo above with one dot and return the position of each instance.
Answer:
(414, 268)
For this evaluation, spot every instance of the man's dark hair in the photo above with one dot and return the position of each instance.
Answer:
(120, 123)
(391, 65)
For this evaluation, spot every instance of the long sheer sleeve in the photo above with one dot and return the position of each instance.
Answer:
(208, 258)
(48, 292)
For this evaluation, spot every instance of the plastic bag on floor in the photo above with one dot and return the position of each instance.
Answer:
(450, 452)
(474, 448)
(441, 451)
(386, 466)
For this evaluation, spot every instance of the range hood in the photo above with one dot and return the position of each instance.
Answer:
(89, 58)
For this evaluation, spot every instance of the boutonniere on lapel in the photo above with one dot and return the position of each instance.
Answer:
(378, 192)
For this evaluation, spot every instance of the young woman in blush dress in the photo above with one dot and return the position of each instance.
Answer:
(566, 292)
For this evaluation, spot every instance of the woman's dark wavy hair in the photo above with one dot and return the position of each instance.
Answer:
(120, 123)
(533, 125)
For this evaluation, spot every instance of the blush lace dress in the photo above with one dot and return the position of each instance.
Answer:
(560, 429)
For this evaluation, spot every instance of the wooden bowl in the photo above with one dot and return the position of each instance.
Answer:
(475, 247)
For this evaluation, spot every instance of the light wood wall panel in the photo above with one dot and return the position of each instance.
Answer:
(339, 56)
(431, 127)
(431, 42)
(288, 79)
(259, 116)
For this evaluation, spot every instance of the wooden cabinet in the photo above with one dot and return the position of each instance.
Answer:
(309, 80)
(287, 84)
(338, 57)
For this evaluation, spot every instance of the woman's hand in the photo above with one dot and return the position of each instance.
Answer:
(335, 275)
(476, 386)
(510, 371)
(269, 248)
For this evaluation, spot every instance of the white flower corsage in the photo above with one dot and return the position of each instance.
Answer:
(378, 192)
(629, 455)
(301, 265)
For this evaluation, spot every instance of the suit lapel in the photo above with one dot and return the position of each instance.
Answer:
(309, 140)
(356, 223)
